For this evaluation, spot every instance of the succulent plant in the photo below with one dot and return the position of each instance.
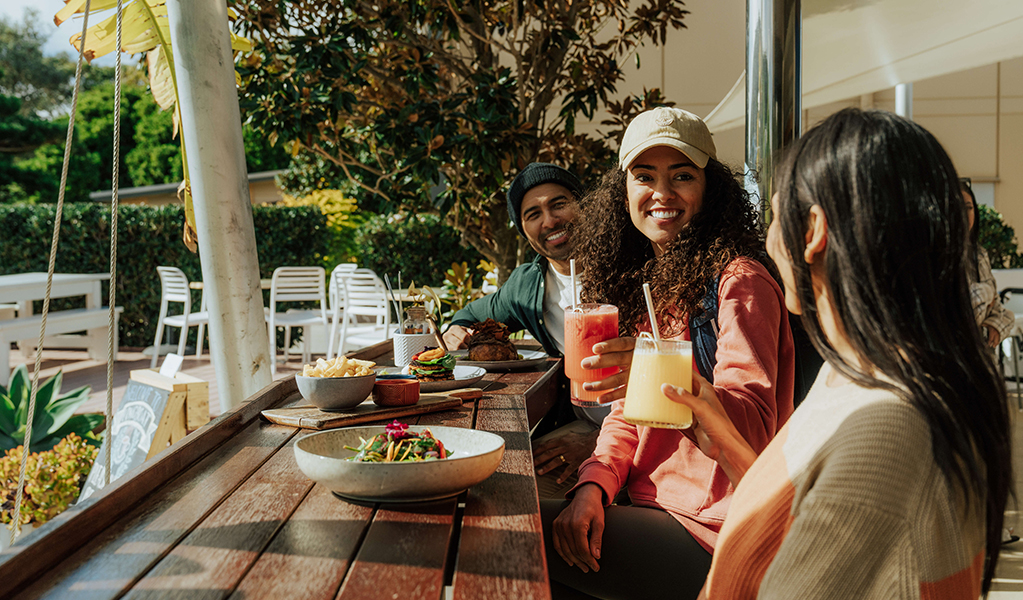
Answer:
(54, 416)
(53, 479)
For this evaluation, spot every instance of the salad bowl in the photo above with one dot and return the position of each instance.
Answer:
(474, 456)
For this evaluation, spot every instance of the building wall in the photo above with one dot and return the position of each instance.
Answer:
(976, 114)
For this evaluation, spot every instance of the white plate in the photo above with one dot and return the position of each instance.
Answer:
(464, 377)
(475, 456)
(529, 358)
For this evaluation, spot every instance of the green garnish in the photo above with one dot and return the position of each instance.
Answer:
(397, 444)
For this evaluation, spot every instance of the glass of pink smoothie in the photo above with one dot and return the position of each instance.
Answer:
(586, 325)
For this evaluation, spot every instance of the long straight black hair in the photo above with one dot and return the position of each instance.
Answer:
(895, 265)
(973, 263)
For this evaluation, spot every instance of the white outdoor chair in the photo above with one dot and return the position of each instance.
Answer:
(364, 296)
(295, 284)
(336, 290)
(174, 288)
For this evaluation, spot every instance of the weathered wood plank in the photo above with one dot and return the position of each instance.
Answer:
(220, 529)
(211, 560)
(459, 417)
(310, 417)
(105, 566)
(500, 552)
(81, 523)
(404, 553)
(310, 555)
(545, 393)
(381, 352)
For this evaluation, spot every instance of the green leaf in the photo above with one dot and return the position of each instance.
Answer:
(61, 409)
(43, 421)
(8, 414)
(81, 425)
(7, 442)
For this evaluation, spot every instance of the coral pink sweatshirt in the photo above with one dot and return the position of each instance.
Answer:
(753, 379)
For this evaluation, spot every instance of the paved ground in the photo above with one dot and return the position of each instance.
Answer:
(79, 371)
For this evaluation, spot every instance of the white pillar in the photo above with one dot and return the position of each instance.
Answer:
(211, 126)
(904, 100)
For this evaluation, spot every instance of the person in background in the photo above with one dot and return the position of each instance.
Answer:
(670, 214)
(995, 320)
(891, 478)
(543, 202)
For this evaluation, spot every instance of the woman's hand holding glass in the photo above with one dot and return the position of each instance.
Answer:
(715, 433)
(612, 353)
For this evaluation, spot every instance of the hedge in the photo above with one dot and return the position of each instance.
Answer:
(422, 247)
(147, 237)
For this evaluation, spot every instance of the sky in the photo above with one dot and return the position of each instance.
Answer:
(14, 10)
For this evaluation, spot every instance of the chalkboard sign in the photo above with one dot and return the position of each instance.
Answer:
(142, 426)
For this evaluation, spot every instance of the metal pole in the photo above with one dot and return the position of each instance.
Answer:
(773, 88)
(211, 126)
(904, 100)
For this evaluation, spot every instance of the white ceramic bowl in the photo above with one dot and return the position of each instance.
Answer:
(475, 456)
(335, 393)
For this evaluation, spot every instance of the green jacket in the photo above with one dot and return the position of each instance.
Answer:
(518, 304)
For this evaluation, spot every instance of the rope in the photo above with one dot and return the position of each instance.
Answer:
(112, 323)
(26, 445)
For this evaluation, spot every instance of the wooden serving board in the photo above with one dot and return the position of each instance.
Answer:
(310, 417)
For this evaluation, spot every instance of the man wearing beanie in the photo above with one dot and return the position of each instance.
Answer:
(543, 204)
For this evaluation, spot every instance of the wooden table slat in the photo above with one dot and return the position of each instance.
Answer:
(105, 566)
(501, 552)
(213, 557)
(311, 554)
(404, 553)
(45, 548)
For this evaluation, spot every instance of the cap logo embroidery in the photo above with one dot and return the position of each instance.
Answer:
(664, 118)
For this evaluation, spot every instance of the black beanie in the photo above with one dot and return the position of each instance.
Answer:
(533, 175)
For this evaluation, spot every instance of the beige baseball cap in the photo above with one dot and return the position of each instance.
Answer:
(664, 126)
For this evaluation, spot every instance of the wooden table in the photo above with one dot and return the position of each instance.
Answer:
(226, 512)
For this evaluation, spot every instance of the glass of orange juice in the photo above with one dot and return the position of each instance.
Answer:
(654, 363)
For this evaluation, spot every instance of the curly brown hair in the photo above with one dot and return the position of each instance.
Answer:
(617, 258)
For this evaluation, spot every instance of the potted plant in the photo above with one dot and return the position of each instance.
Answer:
(55, 416)
(53, 481)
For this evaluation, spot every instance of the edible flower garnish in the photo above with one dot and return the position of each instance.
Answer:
(396, 431)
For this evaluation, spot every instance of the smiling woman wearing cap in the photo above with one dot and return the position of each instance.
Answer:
(671, 215)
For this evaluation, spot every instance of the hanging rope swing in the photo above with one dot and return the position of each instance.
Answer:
(16, 531)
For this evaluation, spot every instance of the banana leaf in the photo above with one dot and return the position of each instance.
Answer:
(145, 28)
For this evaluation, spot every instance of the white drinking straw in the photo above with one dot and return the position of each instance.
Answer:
(401, 290)
(650, 310)
(575, 295)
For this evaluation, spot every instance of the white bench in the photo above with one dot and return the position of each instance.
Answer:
(57, 322)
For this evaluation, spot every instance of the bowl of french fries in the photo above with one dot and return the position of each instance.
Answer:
(338, 383)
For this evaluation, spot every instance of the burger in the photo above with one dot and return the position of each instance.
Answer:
(491, 341)
(432, 364)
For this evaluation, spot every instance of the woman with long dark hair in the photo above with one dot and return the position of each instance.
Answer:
(995, 321)
(671, 215)
(891, 478)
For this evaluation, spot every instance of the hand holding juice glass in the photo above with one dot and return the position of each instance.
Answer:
(585, 326)
(655, 362)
